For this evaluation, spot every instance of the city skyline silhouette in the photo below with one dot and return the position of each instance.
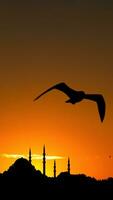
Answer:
(22, 176)
(44, 158)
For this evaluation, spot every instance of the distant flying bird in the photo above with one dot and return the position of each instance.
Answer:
(110, 156)
(77, 96)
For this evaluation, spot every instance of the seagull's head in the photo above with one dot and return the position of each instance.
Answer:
(70, 101)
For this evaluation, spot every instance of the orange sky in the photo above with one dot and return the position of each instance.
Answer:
(42, 44)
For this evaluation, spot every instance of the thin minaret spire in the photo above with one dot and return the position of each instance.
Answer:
(30, 160)
(68, 167)
(54, 168)
(44, 161)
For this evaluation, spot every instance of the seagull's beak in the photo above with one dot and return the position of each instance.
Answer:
(68, 101)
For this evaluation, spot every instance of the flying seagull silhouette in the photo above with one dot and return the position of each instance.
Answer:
(77, 96)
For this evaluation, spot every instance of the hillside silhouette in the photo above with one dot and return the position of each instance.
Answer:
(25, 181)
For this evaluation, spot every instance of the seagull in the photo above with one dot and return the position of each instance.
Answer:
(77, 96)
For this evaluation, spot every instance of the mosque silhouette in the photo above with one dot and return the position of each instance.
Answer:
(24, 167)
(27, 182)
(44, 163)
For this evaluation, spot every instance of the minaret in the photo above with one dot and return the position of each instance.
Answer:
(44, 161)
(30, 156)
(68, 167)
(54, 168)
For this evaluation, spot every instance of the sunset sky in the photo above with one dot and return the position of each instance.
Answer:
(42, 43)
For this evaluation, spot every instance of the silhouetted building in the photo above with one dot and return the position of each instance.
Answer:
(44, 161)
(21, 167)
(68, 167)
(30, 160)
(54, 168)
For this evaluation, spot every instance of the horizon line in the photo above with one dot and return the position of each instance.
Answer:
(34, 156)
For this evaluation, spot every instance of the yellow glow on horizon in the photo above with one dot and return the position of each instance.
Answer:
(38, 165)
(34, 156)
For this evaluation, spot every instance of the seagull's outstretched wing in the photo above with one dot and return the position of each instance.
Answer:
(60, 86)
(98, 98)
